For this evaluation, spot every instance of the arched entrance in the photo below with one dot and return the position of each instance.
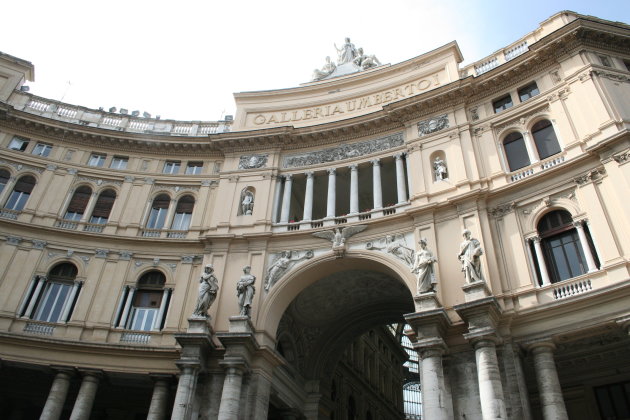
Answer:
(335, 337)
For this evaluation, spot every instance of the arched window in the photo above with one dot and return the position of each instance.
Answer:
(564, 256)
(545, 139)
(515, 151)
(159, 208)
(5, 176)
(143, 308)
(20, 194)
(183, 213)
(78, 203)
(103, 207)
(52, 298)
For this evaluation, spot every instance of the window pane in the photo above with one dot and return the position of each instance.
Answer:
(53, 301)
(157, 218)
(96, 160)
(171, 167)
(515, 151)
(42, 149)
(181, 221)
(502, 104)
(545, 139)
(528, 91)
(18, 143)
(17, 200)
(119, 162)
(194, 168)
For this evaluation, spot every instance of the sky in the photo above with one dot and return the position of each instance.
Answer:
(185, 59)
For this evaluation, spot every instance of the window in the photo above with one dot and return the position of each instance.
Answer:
(159, 208)
(183, 213)
(20, 194)
(515, 151)
(119, 162)
(502, 104)
(42, 149)
(18, 143)
(171, 167)
(545, 139)
(97, 160)
(563, 252)
(103, 207)
(528, 91)
(5, 176)
(194, 168)
(52, 298)
(148, 303)
(78, 203)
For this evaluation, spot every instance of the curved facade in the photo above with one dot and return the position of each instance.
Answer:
(109, 222)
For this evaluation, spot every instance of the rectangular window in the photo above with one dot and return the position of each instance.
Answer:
(528, 91)
(194, 168)
(18, 143)
(97, 160)
(53, 302)
(181, 221)
(171, 167)
(502, 104)
(119, 162)
(42, 149)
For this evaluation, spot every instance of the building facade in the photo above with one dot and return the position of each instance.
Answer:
(478, 213)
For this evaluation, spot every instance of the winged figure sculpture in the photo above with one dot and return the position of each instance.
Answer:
(338, 237)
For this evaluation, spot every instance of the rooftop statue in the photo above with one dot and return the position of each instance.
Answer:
(328, 68)
(349, 60)
(347, 52)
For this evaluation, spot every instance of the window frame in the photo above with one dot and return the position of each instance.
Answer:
(510, 152)
(504, 104)
(171, 167)
(192, 169)
(17, 199)
(45, 149)
(23, 143)
(521, 92)
(97, 163)
(119, 162)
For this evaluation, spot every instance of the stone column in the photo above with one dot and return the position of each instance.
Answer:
(401, 187)
(157, 322)
(276, 201)
(489, 377)
(231, 395)
(70, 301)
(377, 192)
(125, 315)
(542, 266)
(549, 389)
(331, 201)
(57, 395)
(184, 393)
(308, 198)
(38, 290)
(257, 396)
(159, 399)
(432, 380)
(590, 261)
(533, 157)
(354, 189)
(83, 404)
(286, 199)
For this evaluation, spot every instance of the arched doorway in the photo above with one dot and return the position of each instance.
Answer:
(336, 342)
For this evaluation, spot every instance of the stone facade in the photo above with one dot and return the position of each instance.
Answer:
(107, 222)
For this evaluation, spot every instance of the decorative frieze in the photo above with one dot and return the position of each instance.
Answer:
(435, 124)
(20, 166)
(593, 175)
(125, 255)
(623, 157)
(38, 244)
(13, 240)
(252, 161)
(101, 253)
(344, 151)
(99, 181)
(502, 210)
(177, 188)
(611, 76)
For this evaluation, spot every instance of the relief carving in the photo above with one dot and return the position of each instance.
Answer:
(252, 161)
(433, 125)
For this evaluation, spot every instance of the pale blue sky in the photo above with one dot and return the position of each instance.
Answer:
(184, 59)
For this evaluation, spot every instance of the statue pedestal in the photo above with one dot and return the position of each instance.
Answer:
(475, 291)
(426, 302)
(240, 324)
(199, 325)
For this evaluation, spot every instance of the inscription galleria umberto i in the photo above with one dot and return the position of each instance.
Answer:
(424, 240)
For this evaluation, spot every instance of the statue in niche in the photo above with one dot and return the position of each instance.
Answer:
(338, 237)
(281, 265)
(366, 61)
(347, 53)
(208, 288)
(423, 268)
(469, 255)
(439, 169)
(396, 247)
(245, 291)
(247, 202)
(328, 68)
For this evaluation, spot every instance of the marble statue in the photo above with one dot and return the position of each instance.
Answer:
(328, 68)
(347, 52)
(245, 291)
(247, 202)
(338, 237)
(439, 169)
(469, 255)
(281, 265)
(397, 248)
(366, 61)
(423, 268)
(208, 288)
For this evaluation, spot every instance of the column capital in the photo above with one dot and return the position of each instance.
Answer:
(535, 239)
(578, 223)
(331, 171)
(353, 167)
(234, 365)
(287, 177)
(481, 341)
(376, 162)
(399, 156)
(309, 174)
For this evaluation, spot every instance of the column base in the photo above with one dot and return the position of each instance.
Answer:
(475, 291)
(199, 325)
(426, 302)
(240, 324)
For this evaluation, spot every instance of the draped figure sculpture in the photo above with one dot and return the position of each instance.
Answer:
(469, 255)
(423, 268)
(208, 288)
(245, 291)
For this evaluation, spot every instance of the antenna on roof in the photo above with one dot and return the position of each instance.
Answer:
(69, 85)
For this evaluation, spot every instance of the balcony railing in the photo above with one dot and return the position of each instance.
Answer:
(571, 289)
(164, 233)
(537, 167)
(134, 337)
(39, 329)
(9, 214)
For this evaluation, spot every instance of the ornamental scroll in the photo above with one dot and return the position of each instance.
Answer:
(344, 151)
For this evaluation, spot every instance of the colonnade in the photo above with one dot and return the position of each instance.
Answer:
(282, 201)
